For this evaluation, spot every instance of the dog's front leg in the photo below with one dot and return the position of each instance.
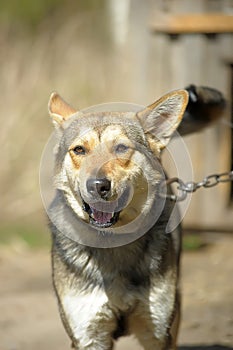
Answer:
(91, 320)
(154, 321)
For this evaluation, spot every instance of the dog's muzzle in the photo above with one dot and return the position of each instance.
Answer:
(100, 218)
(102, 209)
(99, 187)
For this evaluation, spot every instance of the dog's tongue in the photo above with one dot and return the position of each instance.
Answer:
(101, 217)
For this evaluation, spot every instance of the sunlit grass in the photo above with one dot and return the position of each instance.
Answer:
(192, 242)
(38, 236)
(24, 235)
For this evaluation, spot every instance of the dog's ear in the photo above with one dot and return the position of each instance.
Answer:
(59, 110)
(160, 119)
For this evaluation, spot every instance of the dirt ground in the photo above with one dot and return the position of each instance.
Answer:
(29, 317)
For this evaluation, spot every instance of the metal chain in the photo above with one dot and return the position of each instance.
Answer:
(191, 186)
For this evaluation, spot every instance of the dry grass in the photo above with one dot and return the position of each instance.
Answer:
(76, 54)
(70, 57)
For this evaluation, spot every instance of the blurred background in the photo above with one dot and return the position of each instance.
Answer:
(93, 52)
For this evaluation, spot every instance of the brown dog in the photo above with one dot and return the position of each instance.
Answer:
(104, 293)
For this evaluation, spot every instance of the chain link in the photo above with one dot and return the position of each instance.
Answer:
(189, 187)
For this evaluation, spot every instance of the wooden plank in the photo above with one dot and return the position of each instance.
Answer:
(193, 24)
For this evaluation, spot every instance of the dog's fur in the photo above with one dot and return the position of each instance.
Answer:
(104, 293)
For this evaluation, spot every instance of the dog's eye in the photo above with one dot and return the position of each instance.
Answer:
(79, 150)
(121, 148)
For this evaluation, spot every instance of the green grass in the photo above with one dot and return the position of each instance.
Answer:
(32, 13)
(38, 236)
(31, 236)
(27, 11)
(192, 242)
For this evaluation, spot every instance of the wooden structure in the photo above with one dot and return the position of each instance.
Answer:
(153, 63)
(207, 23)
(203, 55)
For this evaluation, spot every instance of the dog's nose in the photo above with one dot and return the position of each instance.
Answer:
(99, 186)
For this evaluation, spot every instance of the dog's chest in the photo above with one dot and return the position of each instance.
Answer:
(122, 276)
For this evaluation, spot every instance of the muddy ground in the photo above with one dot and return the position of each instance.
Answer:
(29, 317)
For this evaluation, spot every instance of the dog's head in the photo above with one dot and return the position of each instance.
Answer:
(105, 161)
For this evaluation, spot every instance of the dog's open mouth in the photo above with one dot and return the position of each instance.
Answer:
(105, 213)
(100, 218)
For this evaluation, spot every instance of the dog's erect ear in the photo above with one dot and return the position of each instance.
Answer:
(160, 119)
(59, 110)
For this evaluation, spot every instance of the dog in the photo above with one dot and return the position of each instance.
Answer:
(107, 174)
